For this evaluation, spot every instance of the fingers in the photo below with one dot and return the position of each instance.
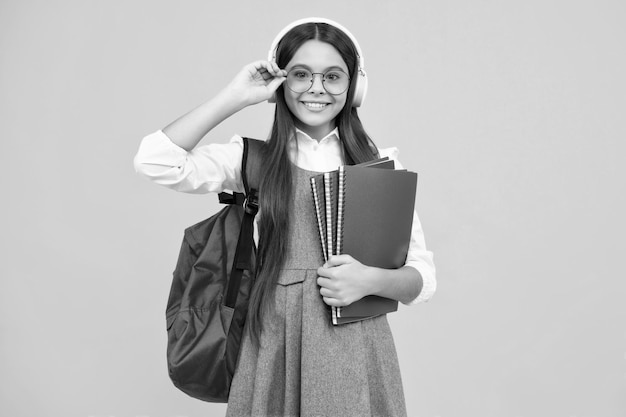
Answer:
(325, 283)
(335, 294)
(325, 292)
(332, 298)
(333, 302)
(337, 260)
(277, 71)
(275, 83)
(267, 69)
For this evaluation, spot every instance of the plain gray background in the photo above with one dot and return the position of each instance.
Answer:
(511, 112)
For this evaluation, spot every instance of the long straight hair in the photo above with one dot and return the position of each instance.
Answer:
(276, 187)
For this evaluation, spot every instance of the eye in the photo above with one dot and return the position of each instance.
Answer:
(334, 76)
(300, 74)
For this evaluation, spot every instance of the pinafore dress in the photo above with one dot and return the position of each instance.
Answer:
(304, 366)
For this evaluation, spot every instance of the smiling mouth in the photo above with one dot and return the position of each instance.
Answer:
(316, 106)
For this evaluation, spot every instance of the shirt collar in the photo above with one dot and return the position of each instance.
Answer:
(332, 136)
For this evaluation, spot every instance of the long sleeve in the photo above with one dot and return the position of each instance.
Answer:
(217, 167)
(418, 256)
(207, 168)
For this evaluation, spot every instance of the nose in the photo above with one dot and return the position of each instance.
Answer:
(317, 84)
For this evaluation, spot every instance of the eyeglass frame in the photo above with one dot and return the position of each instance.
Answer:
(313, 74)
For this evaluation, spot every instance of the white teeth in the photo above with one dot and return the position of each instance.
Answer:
(315, 105)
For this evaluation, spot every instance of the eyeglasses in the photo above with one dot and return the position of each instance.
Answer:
(335, 81)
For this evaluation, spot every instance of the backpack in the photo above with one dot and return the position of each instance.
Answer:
(208, 300)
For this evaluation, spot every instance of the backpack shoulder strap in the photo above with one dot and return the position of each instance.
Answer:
(251, 176)
(251, 164)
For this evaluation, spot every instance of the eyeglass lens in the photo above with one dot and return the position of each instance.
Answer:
(335, 82)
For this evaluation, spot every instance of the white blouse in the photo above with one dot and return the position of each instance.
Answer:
(217, 167)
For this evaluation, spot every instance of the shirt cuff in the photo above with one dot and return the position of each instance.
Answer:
(429, 285)
(158, 149)
(204, 169)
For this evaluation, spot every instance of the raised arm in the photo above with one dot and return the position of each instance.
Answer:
(170, 157)
(255, 83)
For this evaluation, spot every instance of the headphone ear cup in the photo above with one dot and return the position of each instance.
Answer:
(360, 90)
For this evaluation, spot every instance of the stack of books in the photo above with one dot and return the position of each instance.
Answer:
(365, 211)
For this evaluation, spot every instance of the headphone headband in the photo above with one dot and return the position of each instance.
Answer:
(272, 52)
(361, 82)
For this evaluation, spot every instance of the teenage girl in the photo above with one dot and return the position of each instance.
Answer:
(293, 362)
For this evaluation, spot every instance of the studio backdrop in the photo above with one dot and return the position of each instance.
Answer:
(512, 113)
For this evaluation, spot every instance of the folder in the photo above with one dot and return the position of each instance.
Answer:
(366, 213)
(323, 187)
(377, 219)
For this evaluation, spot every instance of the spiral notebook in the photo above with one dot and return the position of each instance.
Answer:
(323, 187)
(368, 214)
(374, 227)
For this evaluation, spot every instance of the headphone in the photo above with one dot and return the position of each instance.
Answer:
(360, 88)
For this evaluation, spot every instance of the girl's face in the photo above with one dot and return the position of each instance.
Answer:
(315, 109)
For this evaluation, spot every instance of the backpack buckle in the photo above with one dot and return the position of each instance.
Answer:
(234, 198)
(251, 203)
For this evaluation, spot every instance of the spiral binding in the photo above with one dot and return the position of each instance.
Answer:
(320, 220)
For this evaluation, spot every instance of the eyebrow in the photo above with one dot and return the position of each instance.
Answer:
(333, 67)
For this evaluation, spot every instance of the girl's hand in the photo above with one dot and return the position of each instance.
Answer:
(257, 82)
(344, 280)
